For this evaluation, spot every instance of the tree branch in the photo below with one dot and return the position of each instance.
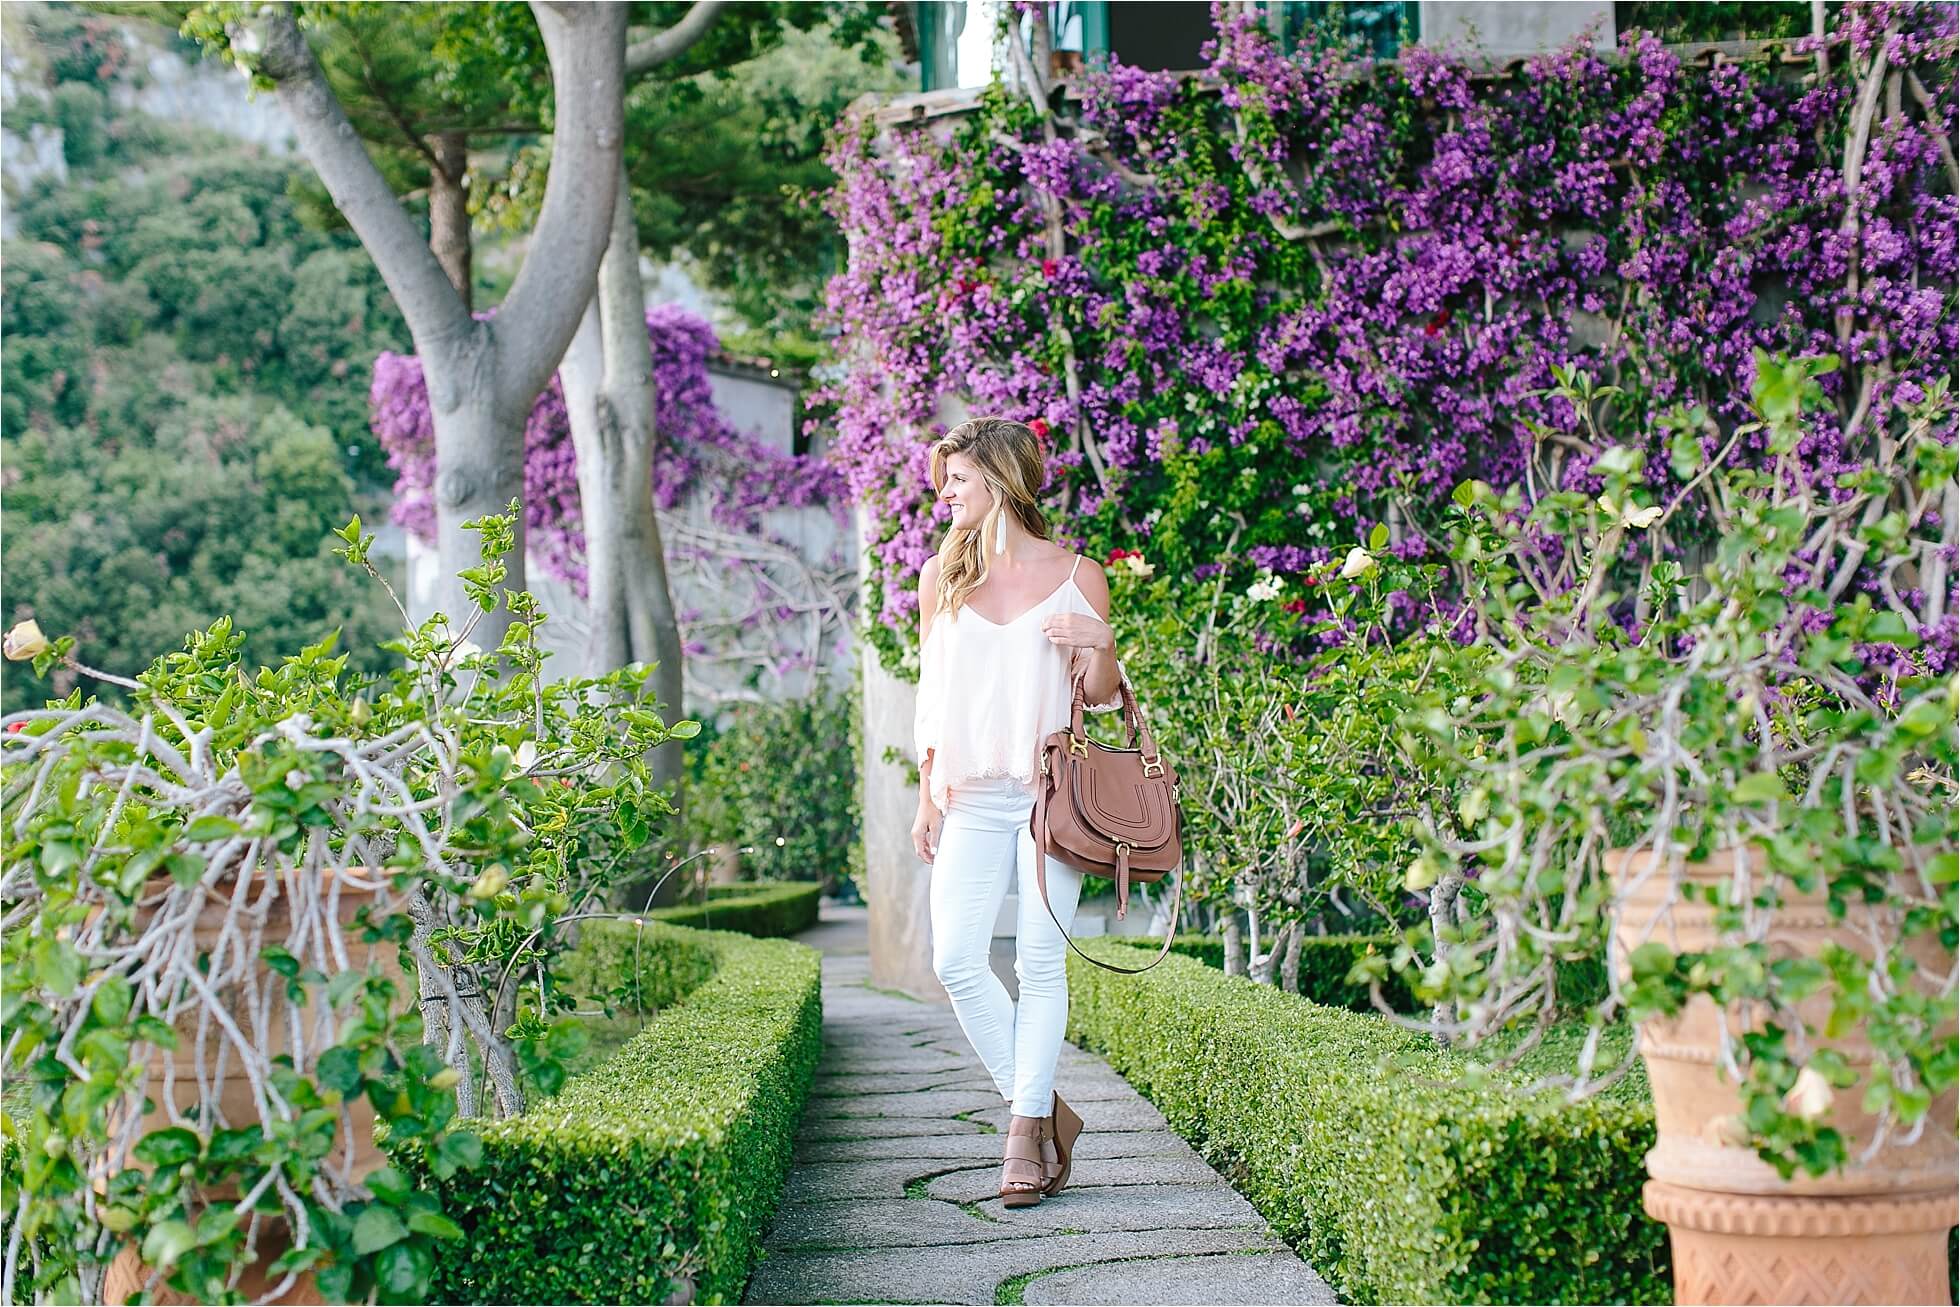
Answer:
(650, 52)
(586, 45)
(428, 303)
(1935, 128)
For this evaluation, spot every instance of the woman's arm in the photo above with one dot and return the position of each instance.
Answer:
(928, 606)
(1103, 681)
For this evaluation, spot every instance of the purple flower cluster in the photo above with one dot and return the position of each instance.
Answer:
(1282, 273)
(697, 453)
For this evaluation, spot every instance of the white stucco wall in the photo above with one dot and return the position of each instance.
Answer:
(1508, 27)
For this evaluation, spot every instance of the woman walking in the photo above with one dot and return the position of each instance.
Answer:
(1006, 618)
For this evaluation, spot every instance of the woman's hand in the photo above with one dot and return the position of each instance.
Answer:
(1078, 631)
(925, 832)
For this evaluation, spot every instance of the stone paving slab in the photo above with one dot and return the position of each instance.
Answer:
(925, 1223)
(971, 1273)
(911, 1128)
(893, 1194)
(1241, 1277)
(969, 1183)
(982, 1147)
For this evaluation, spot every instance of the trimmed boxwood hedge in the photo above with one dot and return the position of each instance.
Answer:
(766, 909)
(1395, 1187)
(1325, 961)
(667, 1161)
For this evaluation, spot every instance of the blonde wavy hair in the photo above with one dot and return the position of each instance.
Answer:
(1011, 460)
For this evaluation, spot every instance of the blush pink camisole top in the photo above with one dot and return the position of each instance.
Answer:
(990, 692)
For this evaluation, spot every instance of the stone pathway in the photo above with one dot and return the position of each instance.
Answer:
(892, 1195)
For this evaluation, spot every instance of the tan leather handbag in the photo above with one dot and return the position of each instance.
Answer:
(1108, 812)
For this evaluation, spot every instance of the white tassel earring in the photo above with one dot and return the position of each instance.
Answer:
(1000, 534)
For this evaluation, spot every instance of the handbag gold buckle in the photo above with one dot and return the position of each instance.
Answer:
(1078, 745)
(1153, 766)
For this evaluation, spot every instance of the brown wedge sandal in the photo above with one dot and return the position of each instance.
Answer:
(1022, 1175)
(1064, 1128)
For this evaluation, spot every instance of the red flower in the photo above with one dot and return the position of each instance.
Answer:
(1116, 555)
(1437, 323)
(1040, 428)
(1049, 268)
(15, 726)
(1296, 605)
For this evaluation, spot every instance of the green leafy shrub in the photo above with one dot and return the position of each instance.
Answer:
(764, 910)
(1326, 962)
(1764, 712)
(779, 782)
(198, 857)
(664, 1165)
(1402, 1172)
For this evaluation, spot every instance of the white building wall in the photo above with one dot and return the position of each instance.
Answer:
(1514, 27)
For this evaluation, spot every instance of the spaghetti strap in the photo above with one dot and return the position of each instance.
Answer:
(1072, 567)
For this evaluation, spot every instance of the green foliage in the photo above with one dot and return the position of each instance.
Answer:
(1763, 711)
(1316, 713)
(1327, 968)
(1683, 21)
(764, 910)
(739, 161)
(778, 780)
(225, 507)
(662, 1166)
(491, 807)
(134, 298)
(182, 402)
(1403, 1173)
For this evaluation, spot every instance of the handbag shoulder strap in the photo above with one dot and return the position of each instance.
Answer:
(1041, 879)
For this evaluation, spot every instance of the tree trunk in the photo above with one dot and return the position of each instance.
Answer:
(483, 377)
(1260, 964)
(449, 210)
(1234, 943)
(1289, 970)
(609, 398)
(479, 470)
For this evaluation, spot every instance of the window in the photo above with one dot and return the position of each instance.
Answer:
(1369, 30)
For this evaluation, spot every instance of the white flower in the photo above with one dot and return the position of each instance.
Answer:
(1359, 563)
(1627, 515)
(1304, 488)
(1137, 566)
(1811, 1097)
(465, 649)
(25, 641)
(295, 779)
(527, 755)
(1266, 587)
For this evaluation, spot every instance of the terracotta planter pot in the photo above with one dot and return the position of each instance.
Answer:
(234, 1090)
(1873, 1232)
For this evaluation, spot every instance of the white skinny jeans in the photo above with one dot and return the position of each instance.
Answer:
(984, 845)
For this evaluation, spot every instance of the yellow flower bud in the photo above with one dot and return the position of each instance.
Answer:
(491, 882)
